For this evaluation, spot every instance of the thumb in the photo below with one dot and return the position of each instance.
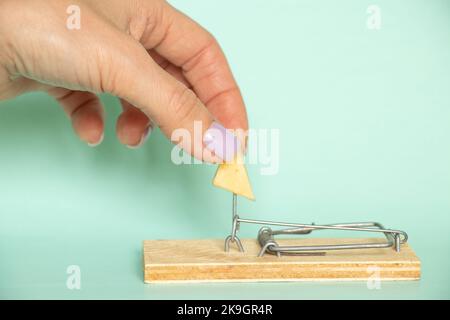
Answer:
(175, 108)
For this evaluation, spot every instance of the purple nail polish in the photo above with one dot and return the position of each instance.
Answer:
(221, 141)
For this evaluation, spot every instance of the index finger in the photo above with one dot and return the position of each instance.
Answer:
(186, 44)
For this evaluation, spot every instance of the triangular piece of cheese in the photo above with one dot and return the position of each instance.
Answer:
(233, 177)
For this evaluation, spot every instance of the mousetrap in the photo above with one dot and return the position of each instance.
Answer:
(268, 257)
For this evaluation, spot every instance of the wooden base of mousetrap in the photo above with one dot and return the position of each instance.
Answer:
(206, 261)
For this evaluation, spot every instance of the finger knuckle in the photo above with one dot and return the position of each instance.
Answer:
(183, 102)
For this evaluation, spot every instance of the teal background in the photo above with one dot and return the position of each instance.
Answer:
(364, 135)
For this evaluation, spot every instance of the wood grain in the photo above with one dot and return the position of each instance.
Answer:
(205, 260)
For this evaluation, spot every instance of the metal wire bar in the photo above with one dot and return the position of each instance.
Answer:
(394, 238)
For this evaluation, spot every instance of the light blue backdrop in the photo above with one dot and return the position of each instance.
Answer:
(364, 135)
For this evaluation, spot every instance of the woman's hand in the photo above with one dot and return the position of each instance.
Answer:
(165, 68)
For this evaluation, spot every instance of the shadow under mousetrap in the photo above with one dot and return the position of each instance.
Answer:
(268, 259)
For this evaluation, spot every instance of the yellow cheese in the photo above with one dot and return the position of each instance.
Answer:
(233, 177)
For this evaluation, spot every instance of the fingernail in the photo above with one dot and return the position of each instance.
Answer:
(98, 142)
(144, 138)
(221, 141)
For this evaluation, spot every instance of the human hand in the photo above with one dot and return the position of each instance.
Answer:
(165, 68)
